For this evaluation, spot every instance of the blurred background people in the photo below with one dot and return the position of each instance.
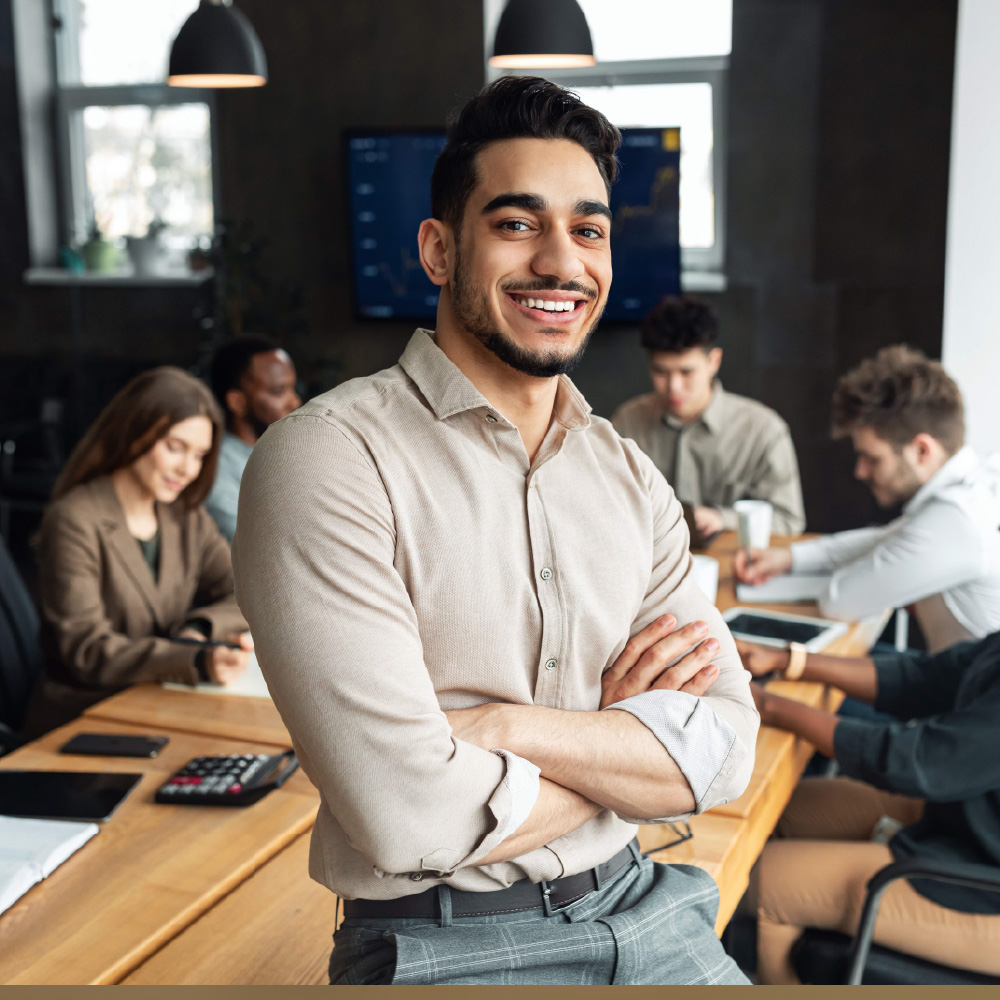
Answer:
(941, 556)
(713, 446)
(128, 558)
(254, 382)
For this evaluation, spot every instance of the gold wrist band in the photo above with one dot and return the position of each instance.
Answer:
(796, 661)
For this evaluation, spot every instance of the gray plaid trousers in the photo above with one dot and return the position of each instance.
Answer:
(651, 924)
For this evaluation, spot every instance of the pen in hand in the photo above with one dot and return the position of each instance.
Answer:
(204, 643)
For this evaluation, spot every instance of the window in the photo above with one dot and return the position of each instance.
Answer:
(131, 150)
(663, 63)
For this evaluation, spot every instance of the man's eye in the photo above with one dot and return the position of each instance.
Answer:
(515, 225)
(591, 233)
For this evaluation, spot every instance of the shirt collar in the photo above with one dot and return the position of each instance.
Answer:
(712, 415)
(448, 391)
(953, 471)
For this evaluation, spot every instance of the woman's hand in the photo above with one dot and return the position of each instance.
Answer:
(222, 664)
(761, 660)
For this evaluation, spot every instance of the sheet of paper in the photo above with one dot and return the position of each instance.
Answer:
(251, 684)
(783, 589)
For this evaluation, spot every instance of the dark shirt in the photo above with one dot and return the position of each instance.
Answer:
(150, 548)
(947, 752)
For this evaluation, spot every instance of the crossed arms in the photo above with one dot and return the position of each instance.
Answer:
(415, 788)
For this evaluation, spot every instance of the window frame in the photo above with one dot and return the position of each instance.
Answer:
(71, 99)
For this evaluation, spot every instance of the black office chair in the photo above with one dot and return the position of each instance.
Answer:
(21, 658)
(826, 958)
(31, 458)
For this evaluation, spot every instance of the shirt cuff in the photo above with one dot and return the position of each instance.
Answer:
(809, 557)
(730, 519)
(522, 783)
(858, 748)
(889, 687)
(698, 739)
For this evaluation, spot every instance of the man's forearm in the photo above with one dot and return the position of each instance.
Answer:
(811, 724)
(557, 811)
(609, 757)
(856, 676)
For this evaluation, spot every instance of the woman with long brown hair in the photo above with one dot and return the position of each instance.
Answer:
(129, 561)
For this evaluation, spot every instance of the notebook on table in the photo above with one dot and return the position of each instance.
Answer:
(31, 849)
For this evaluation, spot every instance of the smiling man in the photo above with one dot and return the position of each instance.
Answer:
(473, 605)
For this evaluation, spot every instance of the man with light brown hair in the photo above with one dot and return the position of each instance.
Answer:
(905, 417)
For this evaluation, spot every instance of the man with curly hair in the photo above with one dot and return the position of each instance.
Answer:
(941, 556)
(714, 447)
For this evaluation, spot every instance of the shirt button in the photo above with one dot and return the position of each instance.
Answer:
(546, 573)
(416, 876)
(551, 664)
(491, 418)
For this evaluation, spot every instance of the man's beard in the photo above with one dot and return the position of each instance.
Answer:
(257, 426)
(472, 310)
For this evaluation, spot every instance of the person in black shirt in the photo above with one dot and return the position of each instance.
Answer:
(926, 785)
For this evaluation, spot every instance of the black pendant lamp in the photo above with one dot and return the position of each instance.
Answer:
(217, 47)
(544, 34)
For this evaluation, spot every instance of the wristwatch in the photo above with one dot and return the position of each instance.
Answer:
(796, 661)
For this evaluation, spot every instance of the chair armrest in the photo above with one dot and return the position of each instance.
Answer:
(964, 873)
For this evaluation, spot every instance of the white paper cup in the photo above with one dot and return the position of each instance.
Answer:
(755, 523)
(706, 575)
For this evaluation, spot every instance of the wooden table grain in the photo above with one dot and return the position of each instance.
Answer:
(236, 717)
(150, 872)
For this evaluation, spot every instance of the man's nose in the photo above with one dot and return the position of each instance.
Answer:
(558, 256)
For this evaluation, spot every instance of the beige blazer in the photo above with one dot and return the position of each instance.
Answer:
(104, 618)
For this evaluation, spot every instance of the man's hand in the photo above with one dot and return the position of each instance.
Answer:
(761, 660)
(708, 521)
(642, 664)
(222, 664)
(761, 565)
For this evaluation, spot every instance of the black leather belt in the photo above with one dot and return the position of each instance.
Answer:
(522, 895)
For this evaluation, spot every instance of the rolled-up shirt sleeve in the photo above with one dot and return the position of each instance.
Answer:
(721, 725)
(337, 640)
(698, 739)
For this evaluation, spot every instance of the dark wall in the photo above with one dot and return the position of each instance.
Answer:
(400, 63)
(839, 133)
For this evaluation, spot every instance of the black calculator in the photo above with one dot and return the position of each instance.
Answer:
(238, 779)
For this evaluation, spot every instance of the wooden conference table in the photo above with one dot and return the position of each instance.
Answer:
(168, 895)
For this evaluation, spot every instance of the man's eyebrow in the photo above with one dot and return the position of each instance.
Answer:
(592, 208)
(516, 199)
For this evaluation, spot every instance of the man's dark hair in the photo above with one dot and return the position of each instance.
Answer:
(899, 394)
(677, 323)
(515, 107)
(232, 361)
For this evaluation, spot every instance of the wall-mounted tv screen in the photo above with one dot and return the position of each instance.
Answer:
(389, 178)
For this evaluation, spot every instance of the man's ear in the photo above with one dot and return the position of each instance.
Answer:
(236, 403)
(435, 241)
(925, 446)
(715, 359)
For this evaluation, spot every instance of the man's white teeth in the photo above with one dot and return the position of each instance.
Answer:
(548, 305)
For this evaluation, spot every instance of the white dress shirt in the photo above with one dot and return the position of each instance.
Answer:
(942, 555)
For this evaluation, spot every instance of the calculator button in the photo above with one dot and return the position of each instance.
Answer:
(235, 788)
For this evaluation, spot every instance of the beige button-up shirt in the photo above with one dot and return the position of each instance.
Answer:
(397, 555)
(738, 449)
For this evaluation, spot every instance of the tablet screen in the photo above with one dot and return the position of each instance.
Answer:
(80, 795)
(757, 626)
